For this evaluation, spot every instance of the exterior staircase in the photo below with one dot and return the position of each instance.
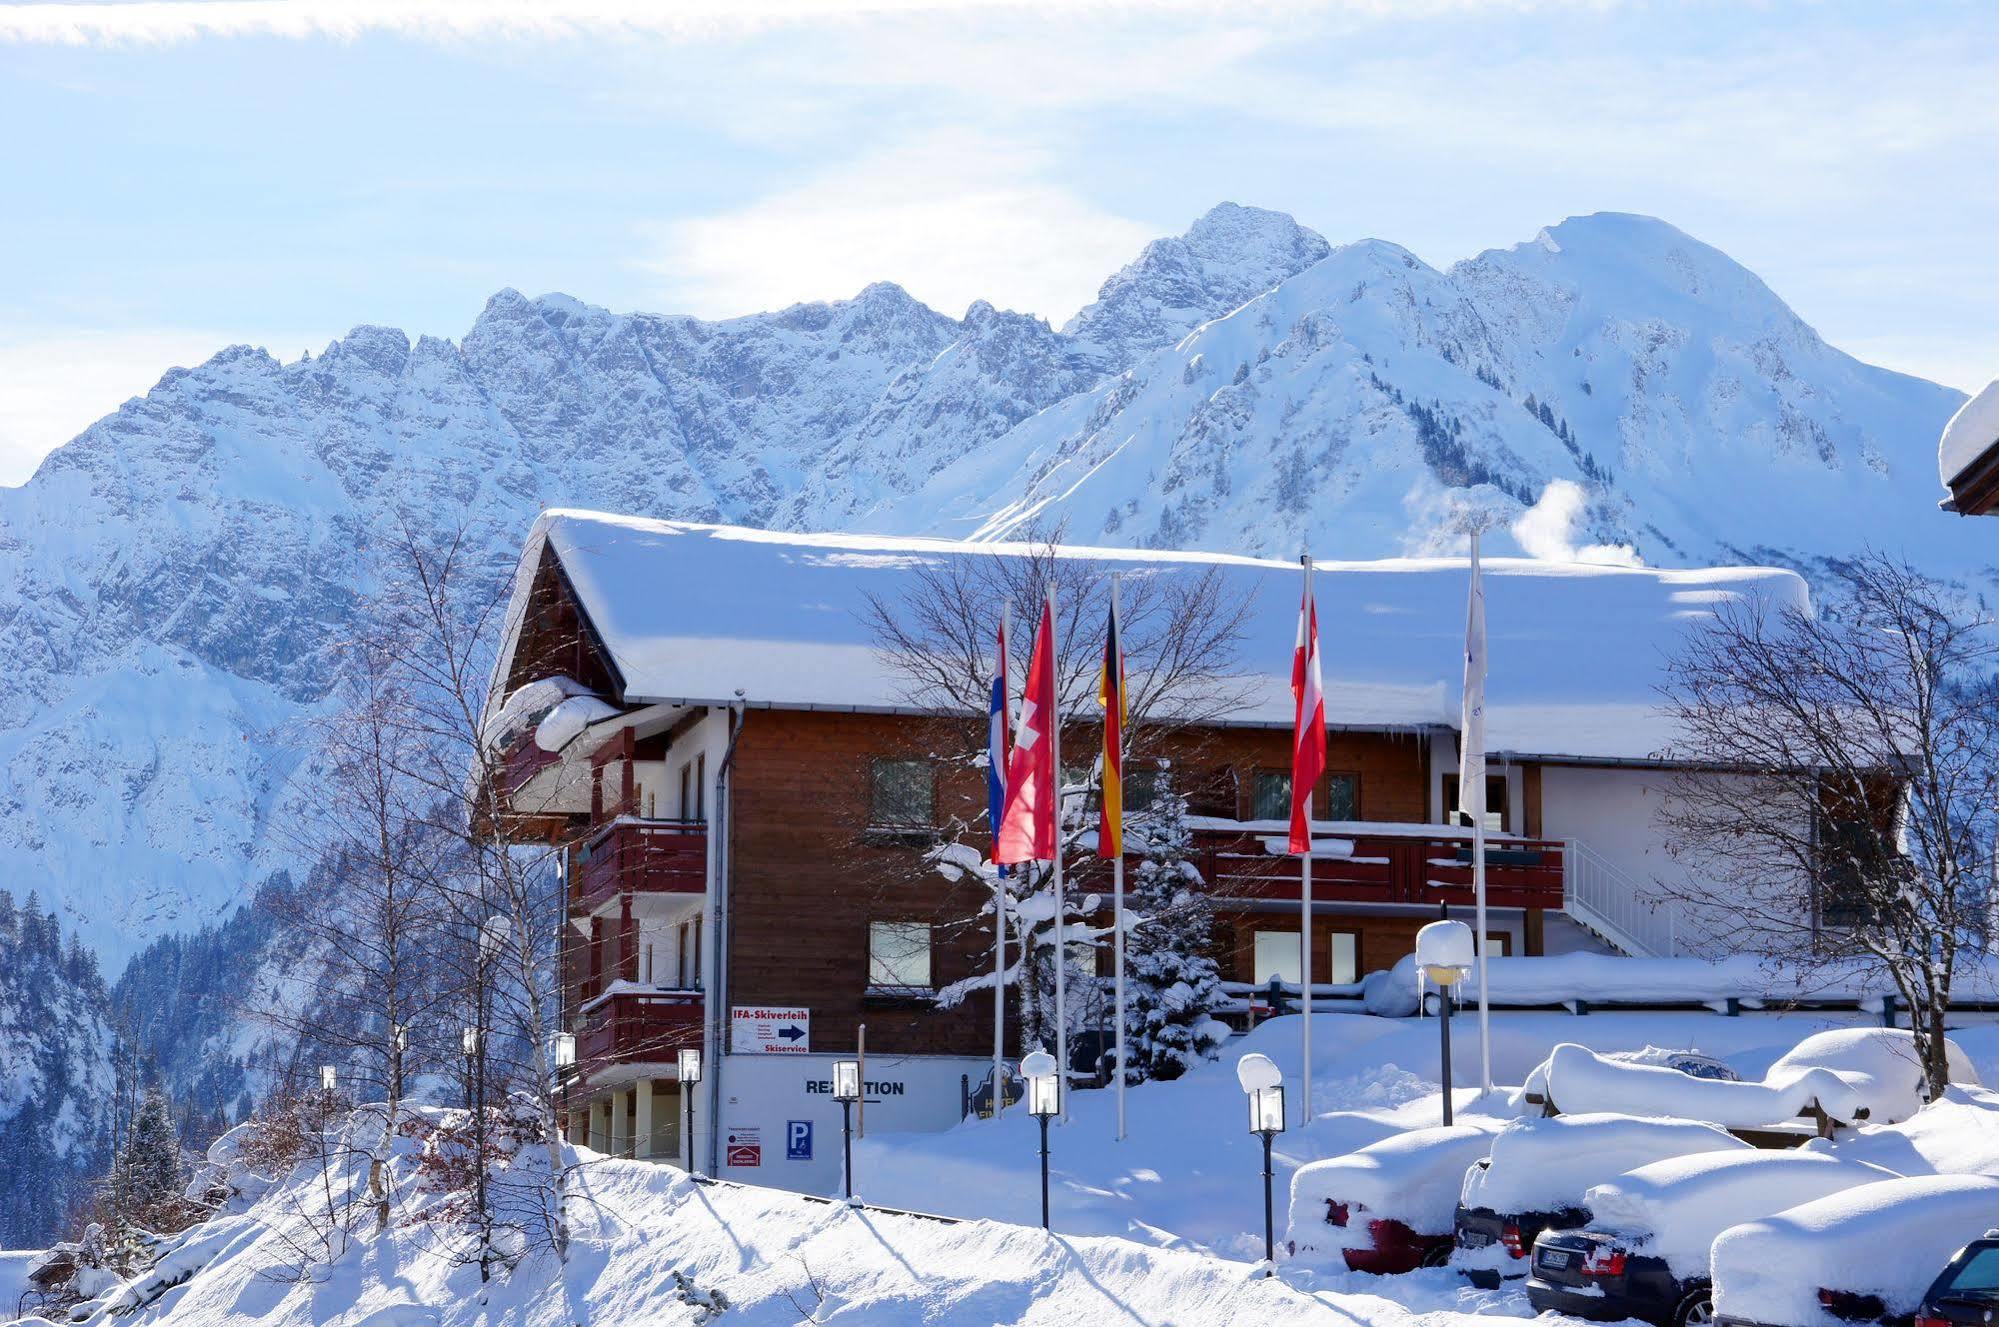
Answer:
(1609, 904)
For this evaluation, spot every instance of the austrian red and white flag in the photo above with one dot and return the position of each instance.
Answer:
(1027, 827)
(1308, 729)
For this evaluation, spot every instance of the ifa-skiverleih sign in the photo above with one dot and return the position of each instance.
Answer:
(769, 1030)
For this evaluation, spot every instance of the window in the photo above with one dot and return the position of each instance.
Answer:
(899, 954)
(1146, 787)
(1343, 797)
(687, 791)
(1214, 794)
(1497, 943)
(1345, 948)
(1495, 802)
(903, 794)
(701, 786)
(1270, 796)
(1276, 956)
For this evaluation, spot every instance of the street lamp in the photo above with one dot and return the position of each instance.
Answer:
(1044, 1101)
(565, 1060)
(327, 1079)
(1263, 1086)
(690, 1074)
(1445, 953)
(846, 1091)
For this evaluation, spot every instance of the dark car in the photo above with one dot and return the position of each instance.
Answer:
(1968, 1290)
(1645, 1252)
(1587, 1274)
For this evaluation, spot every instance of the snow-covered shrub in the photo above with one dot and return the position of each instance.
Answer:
(1173, 987)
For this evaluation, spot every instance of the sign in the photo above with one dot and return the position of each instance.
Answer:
(798, 1140)
(769, 1030)
(745, 1148)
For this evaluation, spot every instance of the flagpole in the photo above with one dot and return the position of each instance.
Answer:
(999, 885)
(1061, 910)
(1117, 861)
(1305, 898)
(1478, 836)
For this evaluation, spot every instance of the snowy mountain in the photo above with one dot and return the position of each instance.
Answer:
(176, 582)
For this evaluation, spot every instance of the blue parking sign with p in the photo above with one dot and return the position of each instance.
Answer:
(798, 1140)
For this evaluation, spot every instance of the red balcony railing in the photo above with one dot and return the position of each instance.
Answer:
(637, 1027)
(1385, 868)
(646, 856)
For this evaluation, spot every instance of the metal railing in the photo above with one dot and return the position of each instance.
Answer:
(1606, 900)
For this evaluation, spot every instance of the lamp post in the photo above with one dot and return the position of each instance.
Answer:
(1263, 1086)
(846, 1091)
(565, 1061)
(328, 1079)
(1445, 953)
(1044, 1101)
(690, 1074)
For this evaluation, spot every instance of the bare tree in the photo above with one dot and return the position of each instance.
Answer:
(372, 908)
(1841, 810)
(447, 609)
(1181, 631)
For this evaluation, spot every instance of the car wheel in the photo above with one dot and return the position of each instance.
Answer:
(1696, 1310)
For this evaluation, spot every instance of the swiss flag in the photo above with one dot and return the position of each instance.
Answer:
(1308, 729)
(1027, 827)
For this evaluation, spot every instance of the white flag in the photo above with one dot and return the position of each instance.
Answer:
(1471, 726)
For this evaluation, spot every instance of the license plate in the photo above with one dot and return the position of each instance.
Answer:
(1554, 1258)
(1476, 1239)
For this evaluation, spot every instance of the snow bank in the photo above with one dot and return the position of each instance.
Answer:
(1409, 1177)
(1971, 430)
(1577, 1079)
(1547, 1165)
(566, 722)
(1673, 1209)
(1612, 979)
(1888, 1239)
(1879, 1064)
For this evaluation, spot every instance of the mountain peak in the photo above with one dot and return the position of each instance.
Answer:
(1229, 256)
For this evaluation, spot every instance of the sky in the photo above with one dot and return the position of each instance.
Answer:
(176, 177)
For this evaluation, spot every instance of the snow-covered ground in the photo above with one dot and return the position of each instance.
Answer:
(1164, 1228)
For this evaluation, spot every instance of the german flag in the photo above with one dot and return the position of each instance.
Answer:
(1111, 695)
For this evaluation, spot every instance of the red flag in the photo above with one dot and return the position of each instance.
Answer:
(1308, 730)
(1027, 827)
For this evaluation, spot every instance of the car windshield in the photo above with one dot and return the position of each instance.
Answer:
(1979, 1275)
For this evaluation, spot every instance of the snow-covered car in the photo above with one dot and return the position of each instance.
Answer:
(1865, 1255)
(1842, 1076)
(1538, 1170)
(1645, 1251)
(1386, 1207)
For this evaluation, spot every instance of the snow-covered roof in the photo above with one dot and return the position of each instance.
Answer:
(708, 614)
(1972, 431)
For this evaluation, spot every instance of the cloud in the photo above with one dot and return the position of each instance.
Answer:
(165, 21)
(55, 384)
(951, 218)
(1547, 530)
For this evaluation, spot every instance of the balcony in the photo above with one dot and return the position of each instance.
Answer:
(1380, 864)
(630, 1025)
(643, 856)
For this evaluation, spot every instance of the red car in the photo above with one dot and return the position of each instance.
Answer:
(1388, 1207)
